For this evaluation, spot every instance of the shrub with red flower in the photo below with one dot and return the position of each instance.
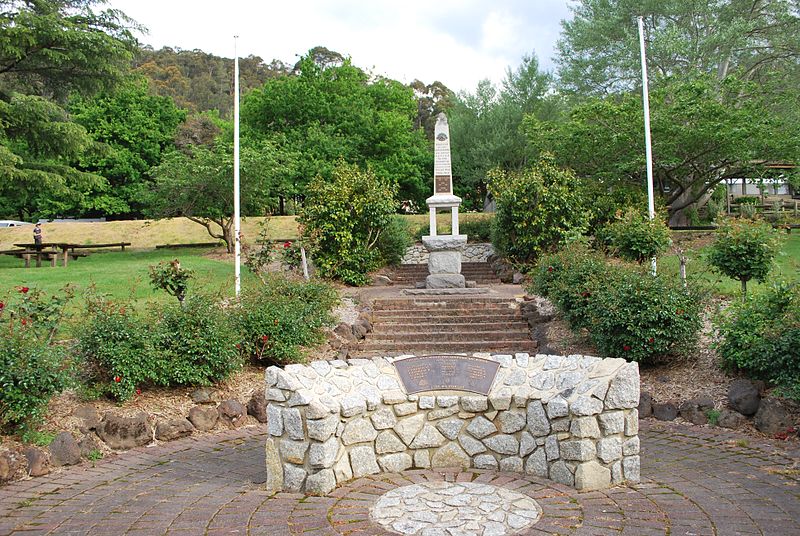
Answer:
(626, 348)
(24, 290)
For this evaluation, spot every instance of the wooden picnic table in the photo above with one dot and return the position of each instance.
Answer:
(50, 250)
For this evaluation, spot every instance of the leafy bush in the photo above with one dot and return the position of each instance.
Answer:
(604, 204)
(761, 335)
(569, 278)
(342, 221)
(32, 368)
(189, 344)
(744, 250)
(633, 236)
(277, 319)
(539, 210)
(639, 317)
(394, 240)
(114, 343)
(628, 313)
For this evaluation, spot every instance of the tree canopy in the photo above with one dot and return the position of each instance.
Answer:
(326, 113)
(598, 52)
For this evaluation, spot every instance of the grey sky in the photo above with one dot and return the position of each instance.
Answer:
(458, 42)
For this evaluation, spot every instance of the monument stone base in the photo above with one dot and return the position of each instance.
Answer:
(444, 261)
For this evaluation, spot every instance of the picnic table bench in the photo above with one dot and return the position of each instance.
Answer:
(46, 250)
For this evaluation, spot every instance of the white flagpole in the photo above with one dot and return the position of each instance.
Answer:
(647, 139)
(236, 216)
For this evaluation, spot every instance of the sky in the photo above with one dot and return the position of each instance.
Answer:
(458, 42)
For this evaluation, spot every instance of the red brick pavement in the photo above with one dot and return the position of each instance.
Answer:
(695, 481)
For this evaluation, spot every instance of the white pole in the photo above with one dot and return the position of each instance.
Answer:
(651, 208)
(236, 216)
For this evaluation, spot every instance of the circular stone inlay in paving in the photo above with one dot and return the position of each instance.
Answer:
(465, 508)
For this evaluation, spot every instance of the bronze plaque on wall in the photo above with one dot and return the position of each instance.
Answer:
(442, 184)
(442, 372)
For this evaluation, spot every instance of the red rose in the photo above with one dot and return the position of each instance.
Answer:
(549, 268)
(238, 346)
(287, 245)
(24, 321)
(138, 391)
(117, 379)
(651, 340)
(2, 306)
(24, 290)
(626, 348)
(264, 338)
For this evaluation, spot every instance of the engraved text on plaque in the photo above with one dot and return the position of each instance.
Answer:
(442, 372)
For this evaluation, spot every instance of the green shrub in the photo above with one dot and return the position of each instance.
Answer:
(744, 250)
(394, 240)
(114, 343)
(604, 204)
(633, 236)
(342, 221)
(568, 278)
(639, 317)
(277, 319)
(539, 210)
(195, 344)
(32, 367)
(123, 350)
(628, 312)
(761, 336)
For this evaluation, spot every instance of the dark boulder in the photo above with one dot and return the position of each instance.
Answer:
(64, 450)
(666, 411)
(122, 433)
(744, 397)
(645, 405)
(173, 429)
(257, 406)
(772, 418)
(203, 418)
(232, 413)
(38, 464)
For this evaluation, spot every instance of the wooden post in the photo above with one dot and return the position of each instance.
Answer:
(39, 259)
(66, 256)
(53, 259)
(27, 258)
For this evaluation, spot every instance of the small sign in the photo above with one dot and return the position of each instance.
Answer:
(443, 372)
(442, 184)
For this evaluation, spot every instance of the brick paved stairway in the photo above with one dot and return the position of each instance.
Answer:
(447, 324)
(409, 274)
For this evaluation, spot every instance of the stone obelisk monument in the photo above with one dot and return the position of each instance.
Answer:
(444, 264)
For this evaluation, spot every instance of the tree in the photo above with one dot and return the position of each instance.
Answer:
(744, 250)
(328, 113)
(753, 39)
(704, 131)
(432, 99)
(199, 81)
(198, 184)
(132, 129)
(49, 48)
(539, 209)
(343, 221)
(486, 126)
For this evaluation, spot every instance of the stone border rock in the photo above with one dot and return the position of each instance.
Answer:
(571, 419)
(118, 432)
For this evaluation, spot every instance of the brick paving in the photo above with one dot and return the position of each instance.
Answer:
(695, 481)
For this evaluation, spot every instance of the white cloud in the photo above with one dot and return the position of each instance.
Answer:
(458, 42)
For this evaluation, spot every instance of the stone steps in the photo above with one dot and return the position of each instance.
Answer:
(440, 326)
(447, 324)
(422, 347)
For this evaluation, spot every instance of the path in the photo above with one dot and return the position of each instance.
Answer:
(695, 481)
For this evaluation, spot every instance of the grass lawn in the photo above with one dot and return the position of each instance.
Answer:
(787, 268)
(119, 274)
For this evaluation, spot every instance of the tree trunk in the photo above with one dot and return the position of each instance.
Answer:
(686, 200)
(227, 236)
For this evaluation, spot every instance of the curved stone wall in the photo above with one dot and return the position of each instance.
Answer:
(571, 419)
(417, 254)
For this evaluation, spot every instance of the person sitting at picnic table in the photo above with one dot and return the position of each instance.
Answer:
(37, 234)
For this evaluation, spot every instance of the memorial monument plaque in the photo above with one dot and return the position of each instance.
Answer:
(442, 185)
(442, 372)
